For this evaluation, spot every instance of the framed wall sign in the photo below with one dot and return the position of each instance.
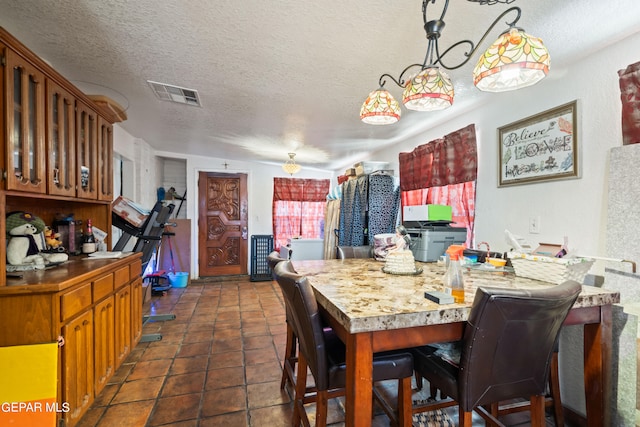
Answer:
(542, 147)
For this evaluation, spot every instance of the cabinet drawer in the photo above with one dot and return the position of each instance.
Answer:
(75, 301)
(121, 276)
(135, 270)
(102, 287)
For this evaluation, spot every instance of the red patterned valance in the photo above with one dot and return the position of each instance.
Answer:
(300, 190)
(449, 160)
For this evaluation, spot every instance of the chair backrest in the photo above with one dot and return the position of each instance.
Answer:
(343, 252)
(307, 324)
(274, 258)
(508, 341)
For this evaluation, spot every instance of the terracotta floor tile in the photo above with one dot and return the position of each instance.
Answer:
(223, 334)
(176, 408)
(253, 329)
(198, 336)
(226, 345)
(151, 368)
(176, 385)
(142, 389)
(258, 341)
(106, 395)
(235, 419)
(166, 351)
(185, 365)
(225, 360)
(122, 373)
(271, 416)
(260, 355)
(232, 400)
(92, 417)
(224, 378)
(194, 349)
(263, 372)
(133, 414)
(266, 394)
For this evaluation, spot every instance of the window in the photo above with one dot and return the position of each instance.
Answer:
(298, 208)
(443, 172)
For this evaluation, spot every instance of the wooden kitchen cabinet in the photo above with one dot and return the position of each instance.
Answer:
(24, 124)
(56, 144)
(56, 150)
(86, 151)
(104, 315)
(61, 142)
(94, 305)
(105, 160)
(77, 359)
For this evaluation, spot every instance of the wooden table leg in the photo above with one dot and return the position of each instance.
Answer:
(359, 387)
(597, 366)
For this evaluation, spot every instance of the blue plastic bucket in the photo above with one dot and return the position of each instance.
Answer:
(179, 279)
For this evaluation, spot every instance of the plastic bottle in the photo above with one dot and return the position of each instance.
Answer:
(453, 279)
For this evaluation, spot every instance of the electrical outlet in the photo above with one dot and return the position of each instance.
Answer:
(534, 225)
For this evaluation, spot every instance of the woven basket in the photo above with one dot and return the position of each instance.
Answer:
(548, 269)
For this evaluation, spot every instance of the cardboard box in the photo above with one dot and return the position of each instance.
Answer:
(427, 213)
(365, 168)
(125, 210)
(550, 250)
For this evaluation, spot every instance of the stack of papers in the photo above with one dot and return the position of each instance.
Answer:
(106, 254)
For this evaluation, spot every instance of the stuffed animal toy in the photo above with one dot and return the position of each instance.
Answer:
(22, 249)
(52, 239)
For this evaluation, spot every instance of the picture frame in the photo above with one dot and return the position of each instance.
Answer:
(542, 147)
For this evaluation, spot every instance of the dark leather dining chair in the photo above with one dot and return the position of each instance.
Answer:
(505, 352)
(291, 346)
(343, 252)
(322, 353)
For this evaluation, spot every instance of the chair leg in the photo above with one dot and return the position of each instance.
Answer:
(404, 402)
(289, 359)
(537, 411)
(464, 418)
(554, 387)
(321, 408)
(301, 385)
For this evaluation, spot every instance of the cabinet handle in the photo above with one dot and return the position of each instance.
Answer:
(60, 340)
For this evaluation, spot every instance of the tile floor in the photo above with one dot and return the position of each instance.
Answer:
(218, 363)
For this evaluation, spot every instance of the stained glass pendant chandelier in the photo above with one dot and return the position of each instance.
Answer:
(514, 61)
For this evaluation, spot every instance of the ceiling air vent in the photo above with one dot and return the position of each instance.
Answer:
(177, 94)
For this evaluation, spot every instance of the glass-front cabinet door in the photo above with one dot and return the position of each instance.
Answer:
(105, 160)
(86, 151)
(61, 143)
(25, 125)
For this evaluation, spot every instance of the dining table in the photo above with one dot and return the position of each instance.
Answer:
(372, 311)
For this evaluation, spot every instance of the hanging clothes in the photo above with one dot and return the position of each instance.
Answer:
(331, 224)
(369, 206)
(353, 211)
(382, 205)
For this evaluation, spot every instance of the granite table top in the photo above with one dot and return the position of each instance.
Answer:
(363, 298)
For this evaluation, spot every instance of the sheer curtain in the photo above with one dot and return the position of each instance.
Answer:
(298, 208)
(443, 172)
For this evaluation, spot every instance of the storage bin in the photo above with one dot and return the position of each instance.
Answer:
(179, 279)
(549, 269)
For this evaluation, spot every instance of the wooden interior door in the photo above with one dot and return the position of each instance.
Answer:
(222, 224)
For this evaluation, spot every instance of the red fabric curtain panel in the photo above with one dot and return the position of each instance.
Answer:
(446, 161)
(300, 190)
(630, 97)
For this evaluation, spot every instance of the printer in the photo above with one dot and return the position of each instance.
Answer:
(431, 232)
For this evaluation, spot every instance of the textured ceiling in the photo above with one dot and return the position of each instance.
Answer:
(281, 75)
